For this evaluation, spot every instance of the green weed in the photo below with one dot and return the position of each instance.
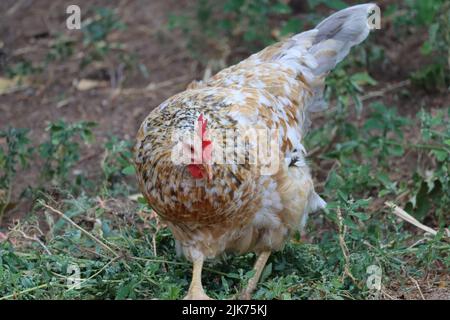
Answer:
(15, 152)
(62, 150)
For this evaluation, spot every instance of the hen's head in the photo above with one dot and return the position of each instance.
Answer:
(201, 168)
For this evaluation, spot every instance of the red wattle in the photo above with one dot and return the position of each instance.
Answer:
(196, 171)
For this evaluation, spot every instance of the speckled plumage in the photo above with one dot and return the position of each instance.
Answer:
(240, 209)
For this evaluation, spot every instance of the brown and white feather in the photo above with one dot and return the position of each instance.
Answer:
(240, 209)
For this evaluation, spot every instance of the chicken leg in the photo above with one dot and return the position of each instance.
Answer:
(196, 291)
(260, 263)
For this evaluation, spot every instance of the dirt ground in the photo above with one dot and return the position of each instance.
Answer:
(29, 27)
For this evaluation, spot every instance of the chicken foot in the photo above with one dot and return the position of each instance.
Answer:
(196, 291)
(260, 263)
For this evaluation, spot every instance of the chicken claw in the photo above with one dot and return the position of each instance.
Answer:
(260, 263)
(196, 291)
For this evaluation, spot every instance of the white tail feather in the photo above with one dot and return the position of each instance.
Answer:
(315, 52)
(335, 36)
(338, 33)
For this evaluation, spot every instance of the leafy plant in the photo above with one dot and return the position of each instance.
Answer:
(232, 22)
(22, 69)
(384, 128)
(98, 46)
(116, 161)
(62, 48)
(436, 16)
(62, 150)
(347, 87)
(14, 154)
(333, 4)
(95, 38)
(432, 186)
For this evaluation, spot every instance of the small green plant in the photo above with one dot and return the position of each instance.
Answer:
(62, 150)
(22, 69)
(229, 23)
(345, 90)
(116, 161)
(433, 77)
(104, 22)
(384, 132)
(432, 185)
(435, 15)
(363, 152)
(62, 48)
(347, 87)
(97, 45)
(15, 153)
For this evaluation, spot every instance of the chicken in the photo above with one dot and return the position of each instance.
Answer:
(223, 164)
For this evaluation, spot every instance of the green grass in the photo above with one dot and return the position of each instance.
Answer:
(122, 251)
